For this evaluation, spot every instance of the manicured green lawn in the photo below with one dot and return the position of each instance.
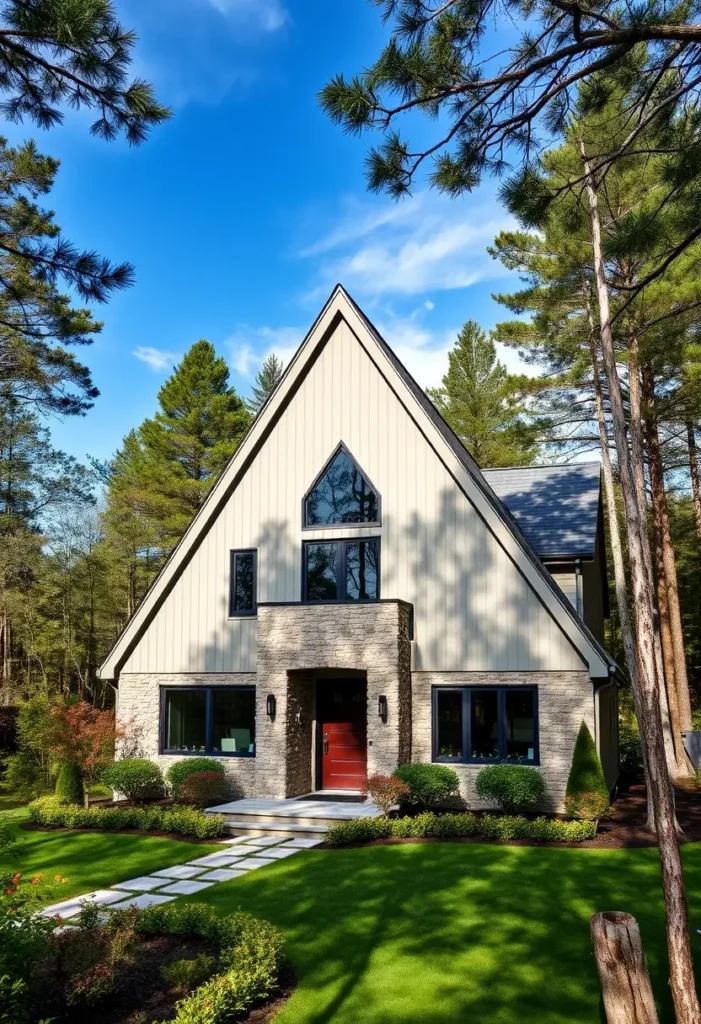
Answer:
(455, 933)
(418, 934)
(92, 860)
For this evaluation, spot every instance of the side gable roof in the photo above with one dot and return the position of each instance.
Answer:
(450, 449)
(557, 507)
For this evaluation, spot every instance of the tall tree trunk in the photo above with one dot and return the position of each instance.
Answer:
(668, 563)
(663, 668)
(619, 571)
(681, 969)
(694, 471)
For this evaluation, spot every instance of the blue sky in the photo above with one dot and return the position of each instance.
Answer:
(242, 212)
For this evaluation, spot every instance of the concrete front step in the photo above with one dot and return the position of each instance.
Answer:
(283, 819)
(283, 829)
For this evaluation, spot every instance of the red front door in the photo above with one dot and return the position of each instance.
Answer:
(342, 718)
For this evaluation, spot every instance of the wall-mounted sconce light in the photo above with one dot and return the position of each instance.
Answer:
(298, 718)
(382, 707)
(270, 705)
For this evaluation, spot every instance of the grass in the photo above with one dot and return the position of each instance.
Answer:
(92, 860)
(423, 933)
(439, 933)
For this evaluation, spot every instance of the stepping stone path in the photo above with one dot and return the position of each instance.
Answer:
(243, 854)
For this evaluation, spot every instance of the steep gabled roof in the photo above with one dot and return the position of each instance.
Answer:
(454, 455)
(557, 507)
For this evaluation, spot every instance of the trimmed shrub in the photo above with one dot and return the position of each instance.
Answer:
(386, 791)
(69, 785)
(249, 950)
(587, 806)
(512, 786)
(179, 771)
(186, 821)
(586, 779)
(203, 788)
(136, 777)
(446, 826)
(429, 784)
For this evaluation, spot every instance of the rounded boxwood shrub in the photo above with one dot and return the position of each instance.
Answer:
(179, 771)
(512, 786)
(587, 794)
(429, 784)
(136, 777)
(69, 785)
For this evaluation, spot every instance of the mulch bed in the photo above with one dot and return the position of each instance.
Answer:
(625, 826)
(143, 996)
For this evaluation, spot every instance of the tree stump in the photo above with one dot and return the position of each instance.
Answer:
(620, 960)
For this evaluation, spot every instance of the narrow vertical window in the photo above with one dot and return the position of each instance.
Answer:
(243, 596)
(449, 725)
(520, 724)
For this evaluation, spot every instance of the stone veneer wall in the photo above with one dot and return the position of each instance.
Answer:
(565, 700)
(301, 690)
(372, 638)
(138, 701)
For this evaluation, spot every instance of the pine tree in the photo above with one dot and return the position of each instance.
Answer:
(75, 54)
(38, 322)
(168, 467)
(481, 401)
(267, 380)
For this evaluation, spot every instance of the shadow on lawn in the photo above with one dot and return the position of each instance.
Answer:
(453, 933)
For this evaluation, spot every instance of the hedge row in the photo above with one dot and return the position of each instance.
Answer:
(444, 826)
(187, 821)
(250, 952)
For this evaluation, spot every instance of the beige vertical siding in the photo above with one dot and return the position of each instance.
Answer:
(567, 582)
(473, 609)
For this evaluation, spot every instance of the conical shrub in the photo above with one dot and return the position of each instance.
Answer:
(69, 785)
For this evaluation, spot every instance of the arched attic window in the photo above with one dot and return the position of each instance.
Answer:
(341, 494)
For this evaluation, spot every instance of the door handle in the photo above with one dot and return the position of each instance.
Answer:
(326, 743)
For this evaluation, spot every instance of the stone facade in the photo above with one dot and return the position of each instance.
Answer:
(139, 702)
(370, 638)
(297, 646)
(565, 700)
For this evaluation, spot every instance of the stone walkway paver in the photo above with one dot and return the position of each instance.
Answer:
(243, 855)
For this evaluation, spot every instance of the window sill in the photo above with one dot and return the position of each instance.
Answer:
(204, 753)
(484, 763)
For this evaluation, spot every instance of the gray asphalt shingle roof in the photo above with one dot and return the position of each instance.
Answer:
(557, 507)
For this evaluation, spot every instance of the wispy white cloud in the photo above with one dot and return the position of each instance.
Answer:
(157, 359)
(269, 15)
(248, 346)
(428, 243)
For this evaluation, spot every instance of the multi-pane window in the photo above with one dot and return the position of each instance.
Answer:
(219, 720)
(480, 725)
(242, 598)
(342, 570)
(341, 495)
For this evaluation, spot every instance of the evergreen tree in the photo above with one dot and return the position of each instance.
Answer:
(38, 321)
(482, 402)
(167, 469)
(267, 379)
(73, 53)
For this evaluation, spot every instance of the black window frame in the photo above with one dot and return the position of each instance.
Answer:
(467, 692)
(208, 721)
(235, 613)
(341, 543)
(341, 447)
